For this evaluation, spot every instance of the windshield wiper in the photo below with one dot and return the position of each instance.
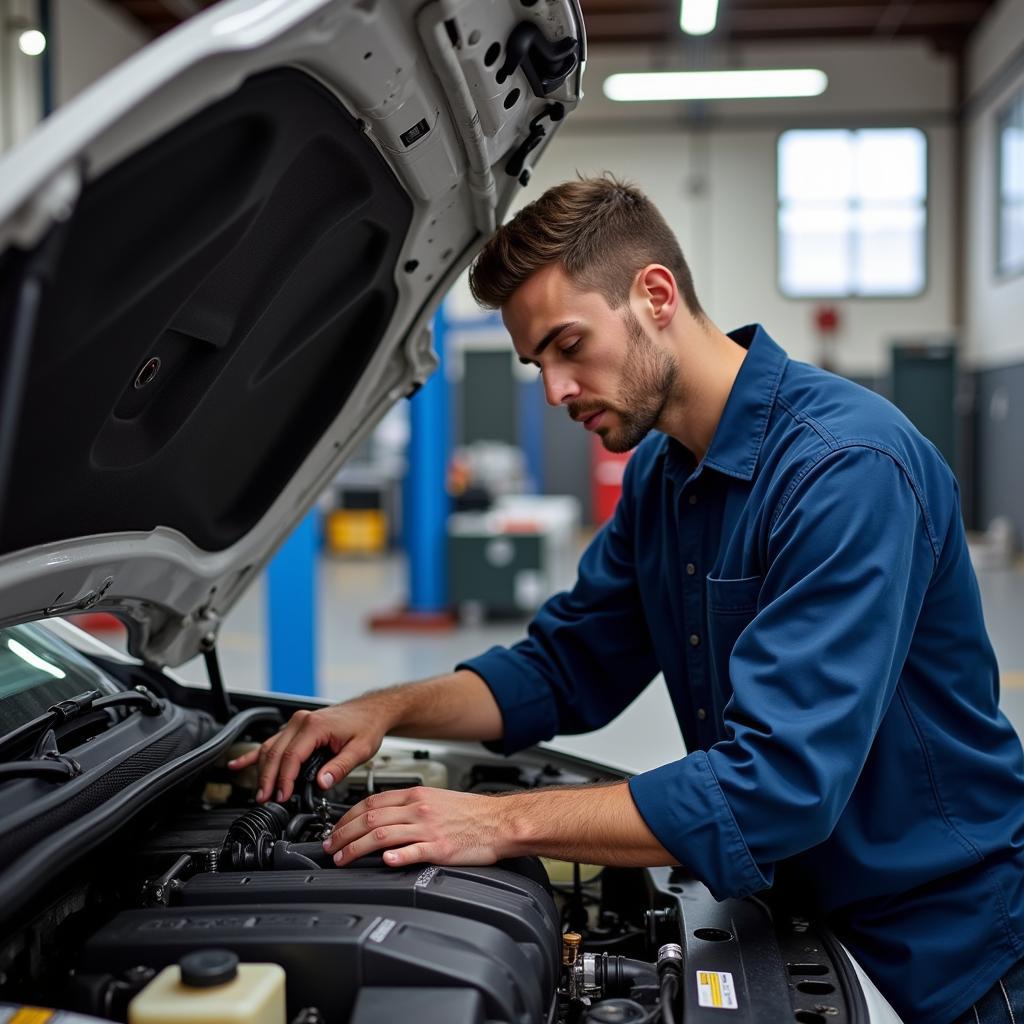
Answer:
(47, 762)
(64, 711)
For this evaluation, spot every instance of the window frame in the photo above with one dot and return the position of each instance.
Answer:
(1003, 114)
(926, 206)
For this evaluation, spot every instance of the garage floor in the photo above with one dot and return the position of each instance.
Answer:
(352, 659)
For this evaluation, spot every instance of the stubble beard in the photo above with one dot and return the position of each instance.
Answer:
(648, 379)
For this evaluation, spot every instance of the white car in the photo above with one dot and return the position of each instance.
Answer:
(217, 271)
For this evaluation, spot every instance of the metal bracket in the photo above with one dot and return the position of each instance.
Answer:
(517, 161)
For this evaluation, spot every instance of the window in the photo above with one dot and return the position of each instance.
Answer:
(852, 212)
(1011, 187)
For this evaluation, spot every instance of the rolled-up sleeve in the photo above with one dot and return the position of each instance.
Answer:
(849, 558)
(588, 651)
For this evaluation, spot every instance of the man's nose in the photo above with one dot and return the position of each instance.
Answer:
(559, 388)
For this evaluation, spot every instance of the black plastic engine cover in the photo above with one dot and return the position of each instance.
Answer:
(423, 1005)
(508, 901)
(329, 954)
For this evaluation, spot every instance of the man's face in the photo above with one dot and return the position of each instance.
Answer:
(598, 362)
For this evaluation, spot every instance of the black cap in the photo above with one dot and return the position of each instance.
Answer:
(208, 967)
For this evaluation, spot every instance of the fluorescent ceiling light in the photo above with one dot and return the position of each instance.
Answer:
(32, 42)
(715, 85)
(698, 17)
(33, 659)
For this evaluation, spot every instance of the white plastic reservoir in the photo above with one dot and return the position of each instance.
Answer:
(211, 987)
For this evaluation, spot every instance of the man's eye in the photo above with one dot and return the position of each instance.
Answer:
(571, 349)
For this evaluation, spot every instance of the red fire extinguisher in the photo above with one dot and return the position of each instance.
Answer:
(607, 469)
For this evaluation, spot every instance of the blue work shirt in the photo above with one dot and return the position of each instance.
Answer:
(806, 591)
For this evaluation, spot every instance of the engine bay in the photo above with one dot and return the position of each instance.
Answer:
(207, 872)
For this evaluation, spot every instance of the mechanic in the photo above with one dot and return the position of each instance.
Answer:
(789, 552)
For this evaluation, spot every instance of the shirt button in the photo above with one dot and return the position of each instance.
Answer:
(701, 714)
(694, 640)
(690, 568)
(693, 499)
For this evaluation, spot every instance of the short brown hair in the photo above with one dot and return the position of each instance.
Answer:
(602, 231)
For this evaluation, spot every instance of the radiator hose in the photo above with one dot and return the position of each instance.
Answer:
(670, 970)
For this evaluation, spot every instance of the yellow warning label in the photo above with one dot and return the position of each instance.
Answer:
(32, 1015)
(715, 988)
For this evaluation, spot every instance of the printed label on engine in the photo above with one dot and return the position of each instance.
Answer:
(30, 1015)
(10, 1014)
(715, 988)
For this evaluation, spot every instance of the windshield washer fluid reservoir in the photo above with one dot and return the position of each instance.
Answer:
(212, 987)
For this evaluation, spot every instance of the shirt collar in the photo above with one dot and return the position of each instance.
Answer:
(736, 444)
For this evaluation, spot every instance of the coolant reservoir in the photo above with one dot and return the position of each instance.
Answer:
(387, 771)
(212, 987)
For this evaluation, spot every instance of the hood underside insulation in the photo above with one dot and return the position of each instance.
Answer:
(206, 313)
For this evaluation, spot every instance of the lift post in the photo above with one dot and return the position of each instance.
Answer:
(291, 611)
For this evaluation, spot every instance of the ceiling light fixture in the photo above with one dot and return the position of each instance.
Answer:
(698, 17)
(33, 659)
(32, 42)
(715, 85)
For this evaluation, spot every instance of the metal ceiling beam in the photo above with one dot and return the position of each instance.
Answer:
(919, 17)
(920, 20)
(653, 21)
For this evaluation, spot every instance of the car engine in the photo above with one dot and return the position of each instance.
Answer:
(210, 874)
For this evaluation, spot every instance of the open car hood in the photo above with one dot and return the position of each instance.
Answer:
(217, 271)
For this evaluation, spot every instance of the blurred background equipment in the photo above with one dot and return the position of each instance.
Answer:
(507, 560)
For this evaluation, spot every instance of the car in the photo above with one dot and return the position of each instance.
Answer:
(218, 267)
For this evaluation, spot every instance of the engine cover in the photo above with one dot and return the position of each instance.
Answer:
(510, 902)
(330, 953)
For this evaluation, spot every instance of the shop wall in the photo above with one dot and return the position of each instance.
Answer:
(89, 38)
(21, 76)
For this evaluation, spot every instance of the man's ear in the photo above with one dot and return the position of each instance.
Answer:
(658, 294)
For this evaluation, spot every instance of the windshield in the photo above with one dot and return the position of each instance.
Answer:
(37, 670)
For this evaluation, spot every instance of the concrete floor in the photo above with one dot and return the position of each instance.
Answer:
(351, 659)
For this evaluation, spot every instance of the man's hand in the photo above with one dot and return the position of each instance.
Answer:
(592, 824)
(433, 825)
(457, 706)
(354, 731)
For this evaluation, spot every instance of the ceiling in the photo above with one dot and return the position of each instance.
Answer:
(945, 23)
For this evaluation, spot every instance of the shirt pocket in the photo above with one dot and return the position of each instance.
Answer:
(731, 604)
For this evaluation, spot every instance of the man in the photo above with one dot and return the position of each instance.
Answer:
(789, 552)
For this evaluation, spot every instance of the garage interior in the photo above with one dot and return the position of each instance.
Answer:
(938, 333)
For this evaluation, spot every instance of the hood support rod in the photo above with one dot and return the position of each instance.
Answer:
(222, 709)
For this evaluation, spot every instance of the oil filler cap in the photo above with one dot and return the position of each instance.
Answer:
(208, 967)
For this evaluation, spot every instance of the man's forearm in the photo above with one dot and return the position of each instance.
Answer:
(456, 706)
(592, 824)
